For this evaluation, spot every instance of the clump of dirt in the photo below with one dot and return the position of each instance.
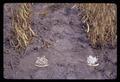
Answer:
(63, 41)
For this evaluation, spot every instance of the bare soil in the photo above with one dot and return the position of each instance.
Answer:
(67, 53)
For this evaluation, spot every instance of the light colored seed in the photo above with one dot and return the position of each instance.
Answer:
(74, 6)
(32, 31)
(88, 28)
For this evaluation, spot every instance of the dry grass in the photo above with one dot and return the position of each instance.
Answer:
(21, 23)
(101, 19)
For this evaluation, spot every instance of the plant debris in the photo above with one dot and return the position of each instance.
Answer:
(101, 23)
(21, 23)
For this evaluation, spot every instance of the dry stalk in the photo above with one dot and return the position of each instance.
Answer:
(101, 22)
(21, 23)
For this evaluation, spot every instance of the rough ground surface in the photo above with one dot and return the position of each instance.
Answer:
(68, 50)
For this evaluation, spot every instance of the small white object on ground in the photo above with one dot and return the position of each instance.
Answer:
(74, 6)
(88, 28)
(41, 62)
(92, 61)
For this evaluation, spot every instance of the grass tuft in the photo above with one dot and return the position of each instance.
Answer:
(21, 23)
(101, 20)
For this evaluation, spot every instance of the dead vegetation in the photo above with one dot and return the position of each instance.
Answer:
(22, 34)
(101, 21)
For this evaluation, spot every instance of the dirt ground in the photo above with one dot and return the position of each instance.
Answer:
(67, 53)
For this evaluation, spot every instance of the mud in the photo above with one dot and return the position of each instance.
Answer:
(68, 48)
